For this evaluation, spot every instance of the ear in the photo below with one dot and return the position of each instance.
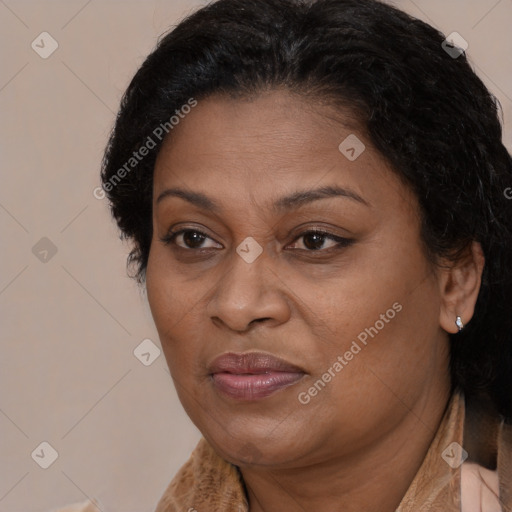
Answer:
(459, 286)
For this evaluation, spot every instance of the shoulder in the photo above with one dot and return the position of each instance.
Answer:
(486, 477)
(488, 489)
(479, 489)
(84, 506)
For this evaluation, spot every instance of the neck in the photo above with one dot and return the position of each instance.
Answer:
(374, 481)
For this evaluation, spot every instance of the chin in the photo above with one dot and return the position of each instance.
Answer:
(250, 449)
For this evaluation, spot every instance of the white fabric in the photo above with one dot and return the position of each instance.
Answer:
(479, 489)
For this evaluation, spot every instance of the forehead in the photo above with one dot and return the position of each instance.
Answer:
(278, 121)
(272, 143)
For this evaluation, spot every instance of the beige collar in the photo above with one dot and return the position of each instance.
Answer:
(437, 483)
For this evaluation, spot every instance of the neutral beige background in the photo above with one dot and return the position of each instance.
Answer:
(70, 324)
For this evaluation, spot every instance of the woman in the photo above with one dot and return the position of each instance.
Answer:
(316, 196)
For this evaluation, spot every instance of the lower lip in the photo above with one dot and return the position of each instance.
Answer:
(254, 386)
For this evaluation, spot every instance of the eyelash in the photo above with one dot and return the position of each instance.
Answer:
(341, 242)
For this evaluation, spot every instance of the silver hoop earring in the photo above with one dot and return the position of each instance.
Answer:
(459, 324)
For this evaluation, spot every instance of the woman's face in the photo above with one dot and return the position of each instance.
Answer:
(354, 312)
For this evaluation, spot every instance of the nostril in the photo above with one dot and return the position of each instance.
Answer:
(259, 320)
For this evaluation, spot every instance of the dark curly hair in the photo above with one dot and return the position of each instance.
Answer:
(423, 109)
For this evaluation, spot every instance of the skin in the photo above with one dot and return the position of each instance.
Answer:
(306, 306)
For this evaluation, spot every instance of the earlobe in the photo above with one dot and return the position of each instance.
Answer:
(459, 286)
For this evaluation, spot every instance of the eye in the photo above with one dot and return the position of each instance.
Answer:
(314, 241)
(191, 238)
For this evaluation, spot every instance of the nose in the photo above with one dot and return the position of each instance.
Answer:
(249, 293)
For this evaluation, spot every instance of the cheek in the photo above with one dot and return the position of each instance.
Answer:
(371, 371)
(164, 299)
(168, 296)
(157, 289)
(381, 319)
(175, 307)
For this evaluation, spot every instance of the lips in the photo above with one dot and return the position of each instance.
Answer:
(253, 375)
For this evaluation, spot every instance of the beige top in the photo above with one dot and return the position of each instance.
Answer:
(206, 482)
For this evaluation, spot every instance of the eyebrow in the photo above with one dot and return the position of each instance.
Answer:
(289, 202)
